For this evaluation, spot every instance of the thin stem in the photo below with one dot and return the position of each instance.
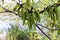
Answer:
(49, 7)
(43, 32)
(48, 28)
(9, 11)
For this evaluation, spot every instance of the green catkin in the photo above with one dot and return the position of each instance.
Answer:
(33, 20)
(49, 13)
(18, 12)
(23, 15)
(37, 17)
(57, 15)
(16, 7)
(28, 2)
(30, 22)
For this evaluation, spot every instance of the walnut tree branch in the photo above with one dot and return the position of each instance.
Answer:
(43, 32)
(7, 10)
(49, 28)
(49, 7)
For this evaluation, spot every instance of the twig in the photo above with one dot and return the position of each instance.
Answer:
(9, 11)
(43, 32)
(50, 6)
(48, 28)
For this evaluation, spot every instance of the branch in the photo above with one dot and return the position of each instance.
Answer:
(21, 5)
(48, 28)
(6, 10)
(43, 32)
(49, 7)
